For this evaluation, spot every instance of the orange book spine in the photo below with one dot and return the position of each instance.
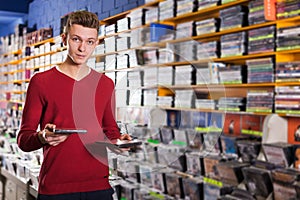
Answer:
(270, 9)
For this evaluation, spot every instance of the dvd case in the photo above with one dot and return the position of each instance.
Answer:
(258, 181)
(193, 188)
(279, 153)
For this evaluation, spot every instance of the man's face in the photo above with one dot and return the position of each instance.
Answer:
(81, 42)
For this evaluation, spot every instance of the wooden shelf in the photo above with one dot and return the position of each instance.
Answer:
(114, 18)
(213, 111)
(17, 52)
(203, 13)
(50, 40)
(123, 32)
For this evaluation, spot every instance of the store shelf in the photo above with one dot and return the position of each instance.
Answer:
(214, 111)
(203, 13)
(114, 18)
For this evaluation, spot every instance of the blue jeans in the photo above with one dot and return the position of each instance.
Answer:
(95, 195)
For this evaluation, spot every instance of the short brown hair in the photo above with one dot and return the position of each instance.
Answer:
(84, 18)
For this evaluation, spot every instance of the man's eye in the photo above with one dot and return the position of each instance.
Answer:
(91, 42)
(75, 39)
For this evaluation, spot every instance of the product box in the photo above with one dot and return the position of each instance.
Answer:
(174, 185)
(231, 171)
(297, 157)
(211, 141)
(248, 149)
(293, 130)
(258, 181)
(213, 190)
(229, 144)
(180, 137)
(128, 169)
(193, 188)
(172, 156)
(151, 152)
(166, 135)
(284, 183)
(238, 194)
(252, 124)
(127, 190)
(142, 193)
(195, 139)
(195, 164)
(145, 174)
(281, 154)
(210, 163)
(158, 178)
(157, 31)
(232, 124)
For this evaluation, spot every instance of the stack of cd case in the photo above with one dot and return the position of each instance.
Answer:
(134, 79)
(185, 30)
(210, 25)
(167, 9)
(184, 99)
(184, 51)
(234, 44)
(205, 104)
(186, 6)
(260, 70)
(150, 97)
(287, 71)
(137, 17)
(288, 38)
(234, 17)
(208, 50)
(232, 74)
(287, 99)
(256, 12)
(231, 104)
(123, 24)
(260, 100)
(261, 40)
(204, 4)
(151, 15)
(285, 9)
(185, 75)
(165, 75)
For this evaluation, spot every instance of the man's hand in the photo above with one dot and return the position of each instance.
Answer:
(125, 137)
(46, 136)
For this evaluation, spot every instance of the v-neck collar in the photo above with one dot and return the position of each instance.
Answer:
(61, 72)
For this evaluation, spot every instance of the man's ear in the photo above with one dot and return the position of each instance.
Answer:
(64, 38)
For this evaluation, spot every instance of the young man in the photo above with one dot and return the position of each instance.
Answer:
(71, 96)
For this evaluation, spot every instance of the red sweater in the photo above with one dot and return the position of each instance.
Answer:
(78, 164)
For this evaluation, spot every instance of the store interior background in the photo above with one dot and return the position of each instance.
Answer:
(46, 13)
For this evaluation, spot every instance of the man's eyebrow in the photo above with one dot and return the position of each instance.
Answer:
(91, 38)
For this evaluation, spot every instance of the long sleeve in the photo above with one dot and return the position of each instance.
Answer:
(28, 137)
(110, 127)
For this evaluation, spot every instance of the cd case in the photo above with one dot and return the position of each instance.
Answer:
(68, 131)
(123, 143)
